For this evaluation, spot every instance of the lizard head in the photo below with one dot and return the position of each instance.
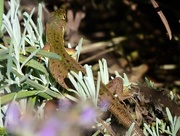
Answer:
(58, 16)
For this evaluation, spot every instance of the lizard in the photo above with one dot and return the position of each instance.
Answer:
(55, 29)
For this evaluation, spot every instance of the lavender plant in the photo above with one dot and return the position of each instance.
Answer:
(14, 52)
(1, 11)
(161, 127)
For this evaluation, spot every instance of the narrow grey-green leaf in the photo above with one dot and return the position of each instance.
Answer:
(3, 54)
(39, 87)
(44, 53)
(22, 94)
(1, 12)
(34, 64)
(31, 102)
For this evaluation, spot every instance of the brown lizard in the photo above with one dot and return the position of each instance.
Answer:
(59, 68)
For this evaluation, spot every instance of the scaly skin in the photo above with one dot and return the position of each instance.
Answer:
(59, 68)
(55, 38)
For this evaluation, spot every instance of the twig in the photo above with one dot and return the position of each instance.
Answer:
(163, 18)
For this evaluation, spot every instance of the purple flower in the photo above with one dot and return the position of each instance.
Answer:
(12, 116)
(87, 116)
(64, 104)
(50, 128)
(103, 104)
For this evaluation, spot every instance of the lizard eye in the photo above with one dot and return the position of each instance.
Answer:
(64, 16)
